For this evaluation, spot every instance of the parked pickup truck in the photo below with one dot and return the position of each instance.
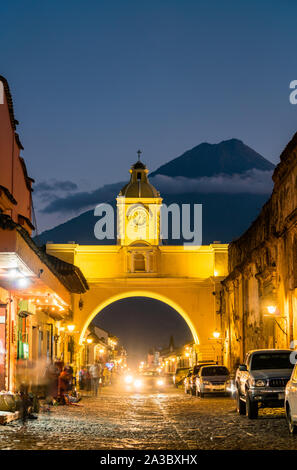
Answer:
(261, 381)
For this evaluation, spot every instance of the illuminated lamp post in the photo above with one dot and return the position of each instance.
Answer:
(271, 309)
(216, 334)
(273, 312)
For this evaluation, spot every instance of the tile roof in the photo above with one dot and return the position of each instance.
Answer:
(13, 121)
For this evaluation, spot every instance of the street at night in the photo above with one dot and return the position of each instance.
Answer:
(148, 233)
(151, 421)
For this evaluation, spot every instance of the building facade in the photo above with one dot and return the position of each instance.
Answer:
(35, 289)
(259, 296)
(102, 347)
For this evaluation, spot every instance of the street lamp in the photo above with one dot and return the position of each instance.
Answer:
(216, 334)
(271, 309)
(23, 282)
(89, 340)
(13, 273)
(274, 313)
(70, 328)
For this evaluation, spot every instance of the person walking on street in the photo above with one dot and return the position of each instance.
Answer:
(71, 378)
(82, 378)
(52, 381)
(95, 374)
(106, 375)
(63, 385)
(88, 383)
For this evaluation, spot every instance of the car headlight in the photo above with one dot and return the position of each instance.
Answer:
(206, 382)
(128, 379)
(260, 383)
(160, 382)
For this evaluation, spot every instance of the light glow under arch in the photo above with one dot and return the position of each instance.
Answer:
(139, 293)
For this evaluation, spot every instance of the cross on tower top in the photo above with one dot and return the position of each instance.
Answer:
(139, 152)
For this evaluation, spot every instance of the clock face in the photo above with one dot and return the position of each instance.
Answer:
(138, 217)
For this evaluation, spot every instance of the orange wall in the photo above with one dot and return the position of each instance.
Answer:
(11, 171)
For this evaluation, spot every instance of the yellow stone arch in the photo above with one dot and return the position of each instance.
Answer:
(139, 293)
(187, 278)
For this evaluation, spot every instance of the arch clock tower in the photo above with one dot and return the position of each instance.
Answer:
(185, 278)
(138, 209)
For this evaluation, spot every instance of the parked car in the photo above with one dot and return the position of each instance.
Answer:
(291, 402)
(212, 379)
(179, 375)
(191, 379)
(262, 379)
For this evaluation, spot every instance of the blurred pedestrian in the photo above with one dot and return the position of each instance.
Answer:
(82, 375)
(52, 378)
(88, 380)
(63, 384)
(95, 375)
(106, 376)
(71, 379)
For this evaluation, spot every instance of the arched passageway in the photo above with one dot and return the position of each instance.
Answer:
(144, 325)
(144, 295)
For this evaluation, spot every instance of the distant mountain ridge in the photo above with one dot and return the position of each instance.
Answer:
(229, 157)
(225, 217)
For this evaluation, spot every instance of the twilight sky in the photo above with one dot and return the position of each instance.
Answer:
(92, 81)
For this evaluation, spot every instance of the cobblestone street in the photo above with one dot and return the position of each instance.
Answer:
(172, 420)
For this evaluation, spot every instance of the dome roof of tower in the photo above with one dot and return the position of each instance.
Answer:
(139, 165)
(139, 189)
(139, 185)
